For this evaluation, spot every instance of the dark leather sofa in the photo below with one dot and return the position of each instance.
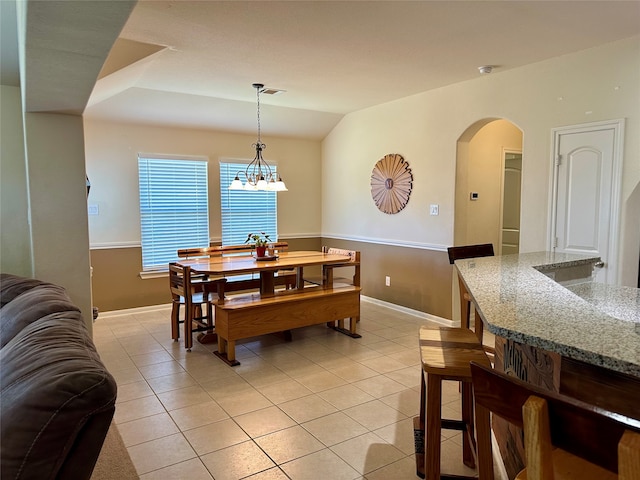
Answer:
(57, 398)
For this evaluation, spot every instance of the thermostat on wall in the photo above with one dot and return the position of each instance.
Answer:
(473, 195)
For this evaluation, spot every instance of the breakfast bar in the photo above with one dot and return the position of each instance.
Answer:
(558, 329)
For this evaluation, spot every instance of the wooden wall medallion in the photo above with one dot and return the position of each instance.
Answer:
(391, 183)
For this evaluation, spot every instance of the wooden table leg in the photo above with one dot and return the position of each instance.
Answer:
(433, 427)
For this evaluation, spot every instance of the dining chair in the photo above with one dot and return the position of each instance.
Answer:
(353, 264)
(565, 439)
(460, 253)
(193, 292)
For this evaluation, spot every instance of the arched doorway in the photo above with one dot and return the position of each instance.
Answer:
(488, 177)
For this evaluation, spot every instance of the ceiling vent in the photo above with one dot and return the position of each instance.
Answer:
(271, 91)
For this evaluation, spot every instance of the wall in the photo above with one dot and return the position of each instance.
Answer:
(425, 129)
(112, 167)
(15, 243)
(57, 188)
(411, 245)
(43, 216)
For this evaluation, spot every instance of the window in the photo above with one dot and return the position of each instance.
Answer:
(174, 207)
(245, 212)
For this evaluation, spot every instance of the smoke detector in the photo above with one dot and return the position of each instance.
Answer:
(485, 69)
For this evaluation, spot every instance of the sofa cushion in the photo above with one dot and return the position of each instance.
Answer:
(12, 285)
(53, 383)
(30, 306)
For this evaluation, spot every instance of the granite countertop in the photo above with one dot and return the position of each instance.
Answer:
(587, 321)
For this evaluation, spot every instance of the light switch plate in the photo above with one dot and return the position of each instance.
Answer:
(434, 209)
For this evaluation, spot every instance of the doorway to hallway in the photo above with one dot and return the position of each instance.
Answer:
(488, 186)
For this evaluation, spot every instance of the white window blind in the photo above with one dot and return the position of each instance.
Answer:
(174, 208)
(245, 212)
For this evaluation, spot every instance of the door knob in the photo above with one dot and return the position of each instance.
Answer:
(599, 264)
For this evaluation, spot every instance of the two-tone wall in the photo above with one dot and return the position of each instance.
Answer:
(329, 199)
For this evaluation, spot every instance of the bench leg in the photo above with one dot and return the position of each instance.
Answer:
(227, 351)
(340, 327)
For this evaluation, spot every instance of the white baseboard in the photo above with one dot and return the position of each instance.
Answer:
(392, 306)
(128, 311)
(409, 311)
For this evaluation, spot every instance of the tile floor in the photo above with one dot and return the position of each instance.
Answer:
(322, 406)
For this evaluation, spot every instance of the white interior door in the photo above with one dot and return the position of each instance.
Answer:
(586, 186)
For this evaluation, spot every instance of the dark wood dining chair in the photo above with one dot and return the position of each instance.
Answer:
(194, 292)
(460, 253)
(564, 437)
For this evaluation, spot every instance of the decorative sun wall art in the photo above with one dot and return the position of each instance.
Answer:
(391, 183)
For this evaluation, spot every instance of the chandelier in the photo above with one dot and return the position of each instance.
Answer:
(258, 174)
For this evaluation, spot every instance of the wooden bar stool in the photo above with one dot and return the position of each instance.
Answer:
(446, 354)
(565, 439)
(460, 253)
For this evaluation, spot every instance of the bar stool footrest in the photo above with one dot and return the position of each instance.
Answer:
(453, 425)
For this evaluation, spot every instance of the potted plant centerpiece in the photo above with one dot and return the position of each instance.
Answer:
(260, 241)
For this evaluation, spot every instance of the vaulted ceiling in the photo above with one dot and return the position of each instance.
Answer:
(193, 63)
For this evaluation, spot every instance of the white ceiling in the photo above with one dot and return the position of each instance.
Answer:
(331, 57)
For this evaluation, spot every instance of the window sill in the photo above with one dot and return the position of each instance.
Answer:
(154, 274)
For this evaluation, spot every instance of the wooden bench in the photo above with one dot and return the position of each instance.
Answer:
(250, 315)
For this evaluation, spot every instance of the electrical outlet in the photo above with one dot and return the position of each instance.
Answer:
(387, 281)
(433, 209)
(93, 209)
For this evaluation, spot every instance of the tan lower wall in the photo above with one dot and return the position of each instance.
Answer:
(420, 279)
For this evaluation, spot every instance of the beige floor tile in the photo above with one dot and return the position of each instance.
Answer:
(271, 474)
(367, 452)
(354, 371)
(383, 364)
(307, 408)
(162, 369)
(266, 375)
(345, 396)
(374, 415)
(409, 377)
(197, 415)
(131, 391)
(238, 461)
(263, 422)
(366, 415)
(409, 357)
(407, 402)
(242, 403)
(302, 368)
(227, 387)
(284, 391)
(317, 382)
(387, 347)
(160, 453)
(126, 375)
(192, 469)
(184, 397)
(334, 428)
(151, 358)
(379, 386)
(399, 434)
(451, 459)
(320, 465)
(147, 428)
(403, 469)
(215, 436)
(289, 444)
(138, 408)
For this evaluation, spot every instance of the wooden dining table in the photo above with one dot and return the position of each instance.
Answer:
(276, 311)
(234, 265)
